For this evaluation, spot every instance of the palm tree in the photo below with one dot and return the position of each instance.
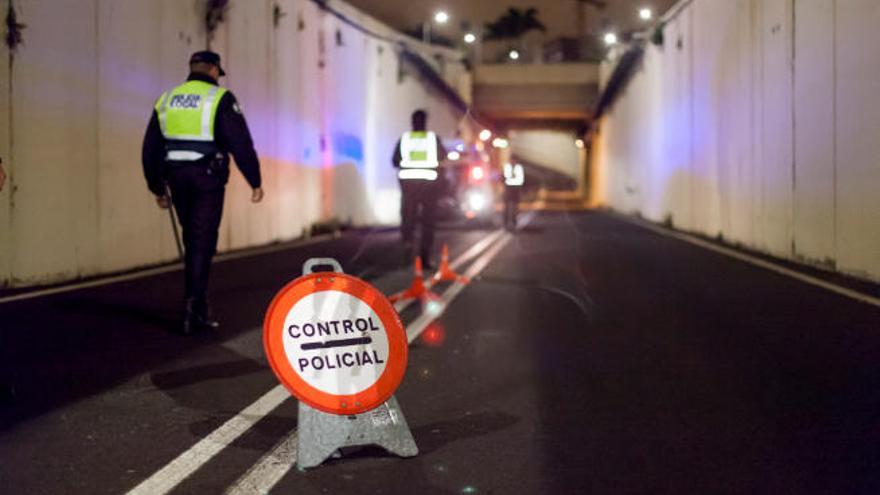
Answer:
(513, 24)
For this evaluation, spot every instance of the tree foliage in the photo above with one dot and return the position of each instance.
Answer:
(513, 24)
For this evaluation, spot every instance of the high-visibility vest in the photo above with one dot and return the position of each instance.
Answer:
(418, 156)
(514, 175)
(186, 118)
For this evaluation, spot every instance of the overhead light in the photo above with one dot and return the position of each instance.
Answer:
(485, 134)
(441, 17)
(470, 38)
(453, 155)
(645, 14)
(513, 54)
(477, 173)
(579, 143)
(610, 39)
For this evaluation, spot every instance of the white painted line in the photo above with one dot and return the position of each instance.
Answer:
(817, 282)
(475, 250)
(167, 478)
(149, 272)
(472, 252)
(421, 323)
(271, 468)
(188, 462)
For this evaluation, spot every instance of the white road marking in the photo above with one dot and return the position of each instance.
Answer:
(843, 291)
(473, 251)
(267, 468)
(272, 467)
(188, 462)
(149, 272)
(421, 323)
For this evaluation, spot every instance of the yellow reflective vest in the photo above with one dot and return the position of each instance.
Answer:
(514, 175)
(418, 156)
(186, 114)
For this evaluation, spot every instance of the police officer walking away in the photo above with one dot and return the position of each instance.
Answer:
(193, 129)
(514, 178)
(417, 156)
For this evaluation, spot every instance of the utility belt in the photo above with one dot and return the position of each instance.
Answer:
(417, 174)
(187, 153)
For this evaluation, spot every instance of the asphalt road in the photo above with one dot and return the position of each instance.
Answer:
(590, 355)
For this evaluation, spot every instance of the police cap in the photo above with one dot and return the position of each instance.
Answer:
(207, 56)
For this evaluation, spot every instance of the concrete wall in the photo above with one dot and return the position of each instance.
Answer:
(552, 91)
(552, 149)
(325, 115)
(758, 121)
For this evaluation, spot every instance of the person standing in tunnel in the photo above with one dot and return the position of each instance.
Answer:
(514, 178)
(193, 129)
(417, 157)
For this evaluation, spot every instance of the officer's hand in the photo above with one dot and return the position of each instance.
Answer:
(257, 195)
(163, 201)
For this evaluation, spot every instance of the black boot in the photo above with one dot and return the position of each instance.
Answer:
(198, 317)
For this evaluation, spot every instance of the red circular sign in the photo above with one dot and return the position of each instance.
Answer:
(335, 342)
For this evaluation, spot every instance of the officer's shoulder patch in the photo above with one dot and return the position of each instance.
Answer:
(236, 108)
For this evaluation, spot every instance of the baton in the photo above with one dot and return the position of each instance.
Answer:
(174, 223)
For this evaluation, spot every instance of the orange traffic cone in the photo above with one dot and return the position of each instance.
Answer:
(445, 273)
(417, 290)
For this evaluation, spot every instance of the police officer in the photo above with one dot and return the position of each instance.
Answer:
(417, 157)
(193, 129)
(514, 178)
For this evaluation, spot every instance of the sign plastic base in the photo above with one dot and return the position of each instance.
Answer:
(322, 434)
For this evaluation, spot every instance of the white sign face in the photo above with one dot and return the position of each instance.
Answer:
(335, 342)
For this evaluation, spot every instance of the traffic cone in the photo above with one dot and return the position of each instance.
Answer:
(444, 272)
(417, 290)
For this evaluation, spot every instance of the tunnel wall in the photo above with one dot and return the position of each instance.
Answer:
(756, 121)
(552, 149)
(325, 110)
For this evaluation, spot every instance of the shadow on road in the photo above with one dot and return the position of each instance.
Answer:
(432, 437)
(191, 376)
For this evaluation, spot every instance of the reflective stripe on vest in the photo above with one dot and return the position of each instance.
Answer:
(514, 175)
(183, 156)
(188, 112)
(417, 173)
(418, 149)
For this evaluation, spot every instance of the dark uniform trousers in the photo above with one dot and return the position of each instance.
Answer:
(419, 205)
(197, 193)
(511, 205)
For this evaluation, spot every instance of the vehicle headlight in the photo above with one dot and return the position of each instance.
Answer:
(476, 200)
